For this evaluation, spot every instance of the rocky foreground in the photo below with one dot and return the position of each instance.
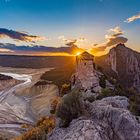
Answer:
(107, 119)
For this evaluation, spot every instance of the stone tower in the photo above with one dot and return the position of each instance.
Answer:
(86, 75)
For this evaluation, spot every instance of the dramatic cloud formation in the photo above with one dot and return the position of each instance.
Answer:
(133, 18)
(19, 36)
(75, 43)
(113, 38)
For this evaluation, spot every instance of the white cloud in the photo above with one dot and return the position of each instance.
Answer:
(62, 37)
(116, 30)
(133, 18)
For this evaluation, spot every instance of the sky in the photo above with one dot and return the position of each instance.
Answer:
(93, 23)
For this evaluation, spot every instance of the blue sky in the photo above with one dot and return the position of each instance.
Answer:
(71, 18)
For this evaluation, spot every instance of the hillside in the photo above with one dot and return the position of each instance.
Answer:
(35, 61)
(122, 63)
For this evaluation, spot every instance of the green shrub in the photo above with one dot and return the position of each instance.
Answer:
(134, 98)
(131, 94)
(135, 108)
(112, 80)
(70, 107)
(106, 92)
(102, 81)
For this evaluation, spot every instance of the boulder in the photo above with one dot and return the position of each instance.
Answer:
(108, 119)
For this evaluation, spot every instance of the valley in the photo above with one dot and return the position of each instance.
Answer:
(24, 103)
(72, 96)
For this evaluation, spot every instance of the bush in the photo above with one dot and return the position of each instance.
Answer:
(70, 107)
(134, 98)
(130, 93)
(106, 92)
(65, 89)
(102, 81)
(135, 108)
(112, 80)
(44, 126)
(54, 103)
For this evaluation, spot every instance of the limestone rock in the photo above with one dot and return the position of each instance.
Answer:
(109, 119)
(122, 63)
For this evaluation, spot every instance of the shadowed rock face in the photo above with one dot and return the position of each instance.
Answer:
(109, 120)
(124, 64)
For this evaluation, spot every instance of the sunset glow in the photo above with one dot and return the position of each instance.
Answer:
(88, 24)
(78, 53)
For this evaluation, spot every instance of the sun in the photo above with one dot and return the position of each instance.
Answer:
(78, 53)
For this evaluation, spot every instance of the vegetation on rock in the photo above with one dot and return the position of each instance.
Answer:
(44, 126)
(54, 103)
(65, 89)
(70, 107)
(102, 81)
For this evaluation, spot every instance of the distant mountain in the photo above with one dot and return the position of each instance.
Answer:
(122, 63)
(37, 48)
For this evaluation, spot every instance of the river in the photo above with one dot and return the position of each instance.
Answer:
(12, 108)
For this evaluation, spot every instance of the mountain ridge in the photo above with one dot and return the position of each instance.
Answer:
(122, 63)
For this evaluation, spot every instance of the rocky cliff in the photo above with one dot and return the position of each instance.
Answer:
(124, 64)
(108, 119)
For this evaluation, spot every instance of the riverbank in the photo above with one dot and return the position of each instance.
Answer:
(5, 84)
(24, 103)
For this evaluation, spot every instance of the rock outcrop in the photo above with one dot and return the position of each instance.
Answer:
(108, 119)
(86, 76)
(124, 64)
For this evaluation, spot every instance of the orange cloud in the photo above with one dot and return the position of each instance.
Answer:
(113, 38)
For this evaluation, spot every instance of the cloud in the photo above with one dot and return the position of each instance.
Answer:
(35, 49)
(116, 31)
(20, 36)
(75, 42)
(3, 50)
(133, 18)
(62, 37)
(113, 38)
